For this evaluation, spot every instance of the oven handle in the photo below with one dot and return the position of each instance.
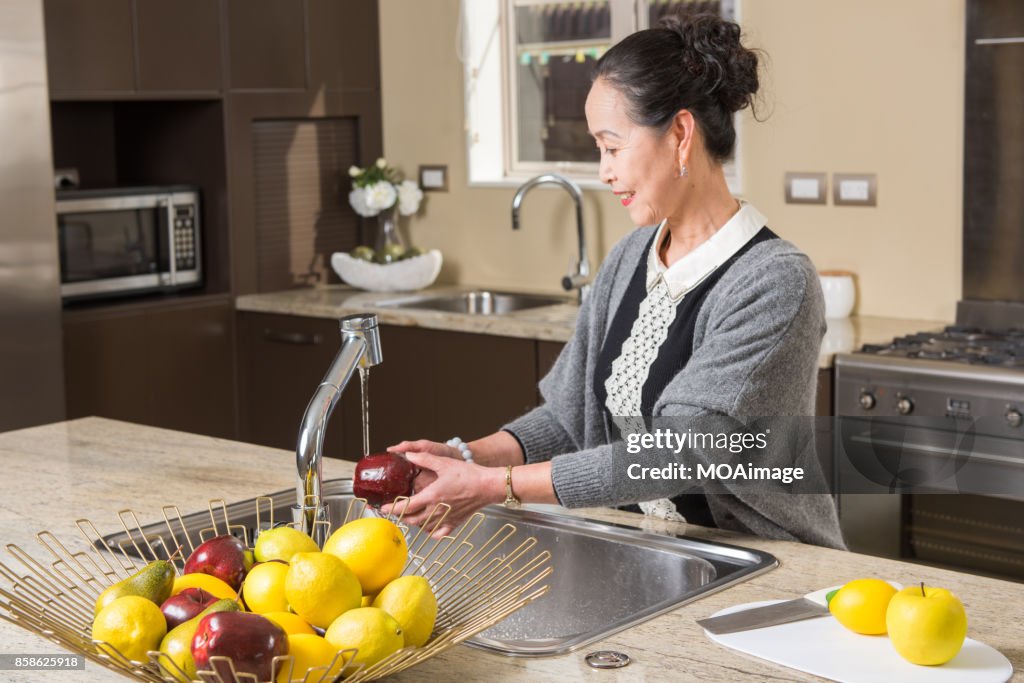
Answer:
(935, 451)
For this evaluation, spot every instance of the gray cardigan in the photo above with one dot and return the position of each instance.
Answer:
(755, 353)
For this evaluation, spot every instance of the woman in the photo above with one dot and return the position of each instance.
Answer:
(705, 314)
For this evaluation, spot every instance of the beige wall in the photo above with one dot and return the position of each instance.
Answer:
(853, 86)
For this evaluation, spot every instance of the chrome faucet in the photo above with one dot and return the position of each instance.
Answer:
(360, 347)
(580, 280)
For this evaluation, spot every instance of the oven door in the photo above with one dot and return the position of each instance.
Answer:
(113, 245)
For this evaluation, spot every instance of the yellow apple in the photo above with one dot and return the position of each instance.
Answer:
(926, 625)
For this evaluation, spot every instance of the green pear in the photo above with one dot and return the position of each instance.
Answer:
(153, 582)
(177, 644)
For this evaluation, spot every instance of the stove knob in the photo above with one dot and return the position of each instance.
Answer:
(867, 400)
(904, 406)
(1014, 418)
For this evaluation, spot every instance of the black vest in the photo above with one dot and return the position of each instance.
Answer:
(673, 355)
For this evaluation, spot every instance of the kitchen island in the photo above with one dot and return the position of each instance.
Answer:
(91, 468)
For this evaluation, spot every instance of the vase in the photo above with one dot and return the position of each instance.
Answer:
(390, 245)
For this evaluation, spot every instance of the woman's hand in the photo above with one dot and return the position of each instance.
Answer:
(465, 487)
(426, 477)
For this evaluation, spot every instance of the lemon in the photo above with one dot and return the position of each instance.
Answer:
(373, 548)
(292, 624)
(263, 588)
(131, 624)
(210, 584)
(310, 651)
(280, 543)
(371, 630)
(413, 605)
(319, 587)
(860, 605)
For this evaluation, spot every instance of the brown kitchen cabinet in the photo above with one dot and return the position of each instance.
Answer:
(266, 44)
(437, 384)
(281, 360)
(178, 45)
(89, 46)
(433, 384)
(118, 48)
(167, 366)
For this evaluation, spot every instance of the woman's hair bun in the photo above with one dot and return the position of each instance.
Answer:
(692, 61)
(713, 56)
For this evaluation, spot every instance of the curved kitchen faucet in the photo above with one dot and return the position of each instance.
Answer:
(580, 280)
(360, 347)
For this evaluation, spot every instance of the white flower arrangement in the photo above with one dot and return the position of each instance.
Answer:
(376, 188)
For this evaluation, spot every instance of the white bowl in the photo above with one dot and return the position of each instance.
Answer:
(401, 276)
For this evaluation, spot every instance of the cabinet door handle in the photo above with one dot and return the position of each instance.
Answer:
(297, 338)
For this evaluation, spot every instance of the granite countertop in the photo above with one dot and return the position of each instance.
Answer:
(547, 323)
(93, 467)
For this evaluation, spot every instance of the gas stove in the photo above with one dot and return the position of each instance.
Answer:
(958, 344)
(954, 399)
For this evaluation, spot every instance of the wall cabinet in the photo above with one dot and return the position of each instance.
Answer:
(126, 46)
(89, 45)
(169, 367)
(178, 45)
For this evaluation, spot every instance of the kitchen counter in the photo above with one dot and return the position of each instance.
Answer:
(94, 467)
(548, 323)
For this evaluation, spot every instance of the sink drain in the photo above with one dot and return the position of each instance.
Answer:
(607, 659)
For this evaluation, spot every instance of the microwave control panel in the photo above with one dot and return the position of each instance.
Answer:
(185, 236)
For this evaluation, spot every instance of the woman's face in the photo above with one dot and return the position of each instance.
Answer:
(640, 165)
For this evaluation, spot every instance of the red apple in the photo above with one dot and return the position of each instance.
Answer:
(223, 557)
(188, 603)
(382, 477)
(250, 640)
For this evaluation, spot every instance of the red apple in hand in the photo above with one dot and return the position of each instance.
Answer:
(188, 603)
(223, 557)
(250, 640)
(382, 477)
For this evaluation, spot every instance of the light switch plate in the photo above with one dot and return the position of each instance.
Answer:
(434, 178)
(854, 189)
(806, 188)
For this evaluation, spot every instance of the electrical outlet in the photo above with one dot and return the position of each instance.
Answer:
(854, 189)
(434, 178)
(806, 188)
(65, 178)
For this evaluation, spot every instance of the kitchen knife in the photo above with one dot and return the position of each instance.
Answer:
(760, 617)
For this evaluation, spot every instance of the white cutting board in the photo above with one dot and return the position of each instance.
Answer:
(825, 648)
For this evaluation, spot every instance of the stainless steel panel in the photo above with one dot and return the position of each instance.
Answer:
(31, 360)
(994, 152)
(606, 577)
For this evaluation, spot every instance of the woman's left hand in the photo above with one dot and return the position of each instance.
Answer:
(463, 486)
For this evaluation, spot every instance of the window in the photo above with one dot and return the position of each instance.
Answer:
(527, 73)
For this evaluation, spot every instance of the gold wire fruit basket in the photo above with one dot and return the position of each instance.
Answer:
(478, 578)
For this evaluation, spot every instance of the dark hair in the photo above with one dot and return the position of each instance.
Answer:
(694, 62)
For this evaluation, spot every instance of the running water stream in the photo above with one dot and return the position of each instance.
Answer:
(364, 390)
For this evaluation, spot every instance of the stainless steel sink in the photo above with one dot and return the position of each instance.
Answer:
(479, 302)
(605, 578)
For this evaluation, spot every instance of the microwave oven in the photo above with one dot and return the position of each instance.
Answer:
(124, 241)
